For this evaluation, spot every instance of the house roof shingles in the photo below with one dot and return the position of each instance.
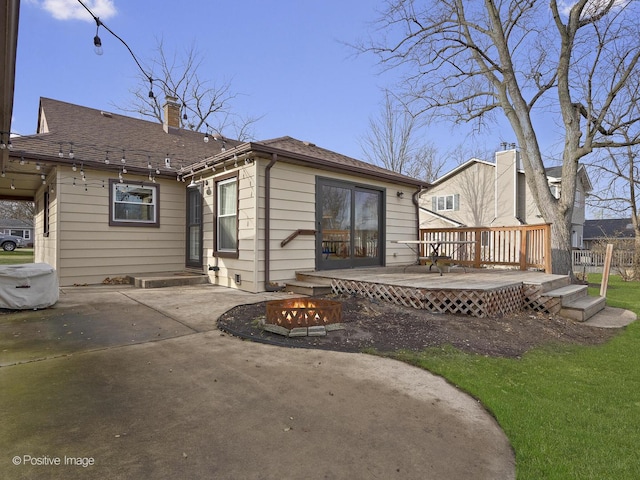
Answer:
(94, 134)
(607, 227)
(15, 223)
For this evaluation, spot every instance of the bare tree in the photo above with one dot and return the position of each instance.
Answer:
(620, 176)
(18, 210)
(393, 142)
(207, 106)
(470, 61)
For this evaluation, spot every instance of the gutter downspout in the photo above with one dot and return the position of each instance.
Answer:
(267, 225)
(415, 198)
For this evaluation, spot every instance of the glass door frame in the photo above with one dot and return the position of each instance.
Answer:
(351, 260)
(193, 193)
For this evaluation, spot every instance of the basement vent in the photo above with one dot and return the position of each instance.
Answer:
(106, 114)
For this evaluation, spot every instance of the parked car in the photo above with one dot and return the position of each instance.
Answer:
(10, 242)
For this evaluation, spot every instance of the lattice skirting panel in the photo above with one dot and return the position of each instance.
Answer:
(536, 300)
(477, 303)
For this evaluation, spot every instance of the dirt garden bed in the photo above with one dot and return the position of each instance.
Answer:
(387, 327)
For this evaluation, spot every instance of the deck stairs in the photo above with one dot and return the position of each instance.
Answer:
(308, 285)
(568, 300)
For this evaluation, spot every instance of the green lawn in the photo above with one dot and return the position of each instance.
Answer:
(19, 255)
(569, 412)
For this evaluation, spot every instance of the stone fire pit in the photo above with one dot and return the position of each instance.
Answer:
(301, 317)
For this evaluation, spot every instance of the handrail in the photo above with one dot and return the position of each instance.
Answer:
(300, 231)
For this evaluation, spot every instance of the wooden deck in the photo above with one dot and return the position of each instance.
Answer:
(480, 293)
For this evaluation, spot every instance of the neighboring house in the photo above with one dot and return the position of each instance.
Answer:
(118, 196)
(480, 193)
(606, 229)
(19, 228)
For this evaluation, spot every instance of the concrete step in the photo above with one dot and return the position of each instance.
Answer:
(311, 278)
(175, 279)
(583, 309)
(307, 288)
(556, 283)
(568, 293)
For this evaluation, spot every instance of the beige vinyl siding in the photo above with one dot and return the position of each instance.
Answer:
(45, 248)
(90, 250)
(475, 186)
(245, 264)
(293, 205)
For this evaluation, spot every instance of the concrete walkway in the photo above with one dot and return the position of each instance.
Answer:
(139, 384)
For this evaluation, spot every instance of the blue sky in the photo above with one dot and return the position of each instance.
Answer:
(287, 59)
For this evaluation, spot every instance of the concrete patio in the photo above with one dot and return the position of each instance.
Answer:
(139, 383)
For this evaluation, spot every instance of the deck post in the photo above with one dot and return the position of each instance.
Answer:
(478, 246)
(547, 249)
(523, 249)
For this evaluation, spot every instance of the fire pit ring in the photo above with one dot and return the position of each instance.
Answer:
(301, 317)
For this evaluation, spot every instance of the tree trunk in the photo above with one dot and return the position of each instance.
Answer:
(635, 274)
(561, 262)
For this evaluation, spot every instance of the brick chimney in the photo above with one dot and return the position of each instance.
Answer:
(171, 109)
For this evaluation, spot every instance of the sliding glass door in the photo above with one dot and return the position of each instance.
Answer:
(350, 224)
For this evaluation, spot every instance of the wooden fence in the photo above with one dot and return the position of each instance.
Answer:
(525, 247)
(592, 262)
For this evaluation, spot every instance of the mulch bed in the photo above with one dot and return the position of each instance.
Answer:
(387, 327)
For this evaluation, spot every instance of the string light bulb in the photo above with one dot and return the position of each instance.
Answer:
(106, 158)
(71, 154)
(206, 137)
(97, 43)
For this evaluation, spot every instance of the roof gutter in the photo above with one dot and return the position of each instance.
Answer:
(9, 20)
(267, 225)
(295, 157)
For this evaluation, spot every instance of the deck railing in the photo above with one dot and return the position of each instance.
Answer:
(525, 247)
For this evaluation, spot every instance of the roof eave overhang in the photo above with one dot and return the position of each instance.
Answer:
(55, 160)
(258, 149)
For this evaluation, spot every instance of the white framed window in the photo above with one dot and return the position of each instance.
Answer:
(133, 204)
(445, 203)
(227, 215)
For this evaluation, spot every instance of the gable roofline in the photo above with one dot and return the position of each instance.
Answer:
(459, 169)
(554, 174)
(453, 222)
